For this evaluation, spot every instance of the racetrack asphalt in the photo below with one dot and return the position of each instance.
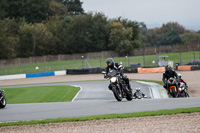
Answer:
(93, 99)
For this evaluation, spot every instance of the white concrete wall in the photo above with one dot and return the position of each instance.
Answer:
(59, 73)
(17, 76)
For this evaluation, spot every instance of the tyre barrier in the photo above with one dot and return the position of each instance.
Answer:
(84, 71)
(184, 68)
(151, 70)
(195, 68)
(96, 71)
(130, 70)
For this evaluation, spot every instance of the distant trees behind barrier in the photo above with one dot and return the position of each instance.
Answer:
(53, 27)
(171, 33)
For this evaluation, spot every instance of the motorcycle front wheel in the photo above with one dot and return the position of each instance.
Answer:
(3, 102)
(117, 93)
(187, 95)
(174, 92)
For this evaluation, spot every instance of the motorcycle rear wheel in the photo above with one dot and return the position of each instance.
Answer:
(129, 94)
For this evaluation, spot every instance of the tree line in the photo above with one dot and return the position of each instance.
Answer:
(51, 27)
(170, 33)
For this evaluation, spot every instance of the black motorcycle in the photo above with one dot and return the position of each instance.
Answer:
(172, 87)
(2, 99)
(183, 90)
(118, 85)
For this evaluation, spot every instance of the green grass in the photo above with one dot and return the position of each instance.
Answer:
(96, 63)
(40, 94)
(108, 116)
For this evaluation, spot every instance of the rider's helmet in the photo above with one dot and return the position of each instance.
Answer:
(179, 75)
(168, 68)
(138, 89)
(110, 62)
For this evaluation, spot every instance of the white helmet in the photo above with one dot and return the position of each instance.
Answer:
(179, 75)
(138, 89)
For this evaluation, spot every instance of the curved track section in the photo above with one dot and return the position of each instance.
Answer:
(94, 99)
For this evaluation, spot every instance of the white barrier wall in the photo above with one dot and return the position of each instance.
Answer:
(22, 76)
(59, 73)
(17, 76)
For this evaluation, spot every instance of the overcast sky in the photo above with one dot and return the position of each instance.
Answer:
(152, 12)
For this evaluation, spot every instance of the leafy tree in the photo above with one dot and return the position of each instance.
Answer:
(173, 26)
(9, 40)
(170, 38)
(135, 29)
(41, 39)
(73, 6)
(168, 34)
(83, 33)
(54, 26)
(190, 38)
(144, 32)
(57, 9)
(26, 43)
(33, 11)
(120, 39)
(3, 8)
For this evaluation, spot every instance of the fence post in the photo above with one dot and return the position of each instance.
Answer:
(180, 58)
(194, 57)
(143, 60)
(6, 71)
(199, 52)
(100, 61)
(158, 58)
(128, 61)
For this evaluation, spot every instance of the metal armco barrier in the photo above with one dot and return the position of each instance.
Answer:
(84, 71)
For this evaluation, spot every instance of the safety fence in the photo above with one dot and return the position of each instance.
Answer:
(145, 61)
(94, 71)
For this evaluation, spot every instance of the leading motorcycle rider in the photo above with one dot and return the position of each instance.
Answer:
(112, 65)
(169, 73)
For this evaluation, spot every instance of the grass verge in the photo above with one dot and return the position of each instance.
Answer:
(40, 94)
(154, 81)
(108, 116)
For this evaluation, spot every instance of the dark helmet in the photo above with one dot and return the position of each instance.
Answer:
(168, 68)
(110, 62)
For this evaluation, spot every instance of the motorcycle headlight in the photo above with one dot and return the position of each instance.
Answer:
(180, 89)
(113, 79)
